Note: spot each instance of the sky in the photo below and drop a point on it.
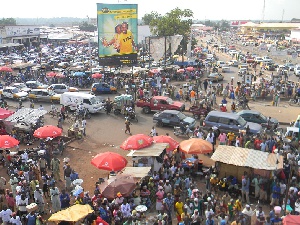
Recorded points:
(203, 9)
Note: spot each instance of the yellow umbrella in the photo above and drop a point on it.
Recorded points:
(72, 214)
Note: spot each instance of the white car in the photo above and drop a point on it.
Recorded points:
(267, 59)
(61, 88)
(225, 69)
(258, 59)
(22, 87)
(233, 63)
(297, 70)
(232, 52)
(14, 93)
(220, 64)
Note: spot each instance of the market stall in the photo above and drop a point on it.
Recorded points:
(235, 161)
(149, 156)
(137, 172)
(24, 120)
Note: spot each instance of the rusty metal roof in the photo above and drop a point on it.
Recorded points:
(247, 158)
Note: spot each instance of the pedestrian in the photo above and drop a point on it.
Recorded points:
(127, 126)
(64, 199)
(39, 199)
(153, 132)
(55, 163)
(55, 200)
(67, 176)
(83, 125)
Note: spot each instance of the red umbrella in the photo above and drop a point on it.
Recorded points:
(137, 141)
(180, 70)
(190, 68)
(60, 75)
(97, 75)
(51, 74)
(7, 141)
(155, 71)
(47, 131)
(166, 139)
(109, 161)
(5, 113)
(5, 69)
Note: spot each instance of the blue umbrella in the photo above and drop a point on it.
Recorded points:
(79, 74)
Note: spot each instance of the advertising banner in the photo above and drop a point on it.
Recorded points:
(117, 33)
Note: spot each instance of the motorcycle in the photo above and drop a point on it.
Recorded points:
(180, 131)
(132, 116)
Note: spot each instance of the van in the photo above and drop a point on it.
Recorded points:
(291, 132)
(229, 122)
(89, 101)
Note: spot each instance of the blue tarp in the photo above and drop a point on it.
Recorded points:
(79, 74)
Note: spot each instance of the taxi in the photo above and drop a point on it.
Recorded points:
(36, 85)
(14, 93)
(44, 95)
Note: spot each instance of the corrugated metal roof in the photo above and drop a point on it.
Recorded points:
(247, 158)
(154, 150)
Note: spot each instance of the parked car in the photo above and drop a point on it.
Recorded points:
(229, 122)
(14, 93)
(100, 88)
(215, 77)
(256, 117)
(173, 118)
(36, 85)
(44, 95)
(220, 64)
(159, 103)
(258, 59)
(290, 66)
(225, 69)
(61, 88)
(21, 86)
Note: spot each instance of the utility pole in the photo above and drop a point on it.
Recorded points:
(282, 16)
(263, 12)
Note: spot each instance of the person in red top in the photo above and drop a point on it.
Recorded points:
(257, 143)
(223, 108)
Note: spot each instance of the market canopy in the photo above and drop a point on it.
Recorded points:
(136, 172)
(72, 214)
(247, 158)
(26, 115)
(156, 149)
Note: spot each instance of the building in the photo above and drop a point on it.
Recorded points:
(19, 34)
(269, 29)
(295, 35)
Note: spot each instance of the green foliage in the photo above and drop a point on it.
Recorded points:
(175, 22)
(148, 17)
(85, 26)
(8, 21)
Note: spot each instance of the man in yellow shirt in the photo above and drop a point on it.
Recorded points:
(179, 209)
(126, 40)
(230, 137)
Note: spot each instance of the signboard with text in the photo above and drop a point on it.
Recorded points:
(117, 34)
(19, 31)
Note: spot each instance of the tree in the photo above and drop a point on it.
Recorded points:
(8, 21)
(85, 26)
(148, 17)
(175, 22)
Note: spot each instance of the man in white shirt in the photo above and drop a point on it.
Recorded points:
(5, 215)
(39, 199)
(22, 202)
(83, 125)
(15, 220)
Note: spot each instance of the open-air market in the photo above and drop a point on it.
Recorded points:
(159, 120)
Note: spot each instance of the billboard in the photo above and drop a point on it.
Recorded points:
(117, 34)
